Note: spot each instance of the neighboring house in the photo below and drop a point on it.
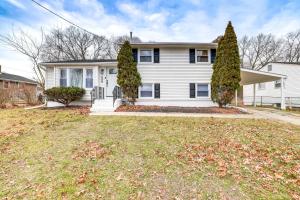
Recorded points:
(269, 93)
(17, 86)
(173, 74)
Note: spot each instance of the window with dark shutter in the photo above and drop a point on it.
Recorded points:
(156, 90)
(192, 90)
(192, 55)
(135, 54)
(156, 55)
(213, 53)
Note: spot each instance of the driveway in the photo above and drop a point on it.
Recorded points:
(274, 114)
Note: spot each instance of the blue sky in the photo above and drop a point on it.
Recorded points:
(159, 20)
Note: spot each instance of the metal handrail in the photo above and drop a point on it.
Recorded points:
(97, 93)
(117, 93)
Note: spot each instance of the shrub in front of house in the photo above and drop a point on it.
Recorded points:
(226, 69)
(64, 95)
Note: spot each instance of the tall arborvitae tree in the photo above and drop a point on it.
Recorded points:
(226, 69)
(129, 78)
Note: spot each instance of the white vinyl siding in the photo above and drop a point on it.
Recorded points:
(175, 73)
(50, 80)
(291, 84)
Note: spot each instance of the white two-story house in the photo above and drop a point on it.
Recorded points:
(173, 74)
(269, 93)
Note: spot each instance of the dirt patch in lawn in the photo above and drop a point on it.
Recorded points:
(176, 109)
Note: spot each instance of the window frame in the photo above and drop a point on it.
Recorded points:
(60, 69)
(276, 87)
(152, 89)
(152, 56)
(269, 68)
(68, 76)
(86, 78)
(208, 88)
(208, 56)
(8, 83)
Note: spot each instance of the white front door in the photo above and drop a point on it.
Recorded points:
(111, 80)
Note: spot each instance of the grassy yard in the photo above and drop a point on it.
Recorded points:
(51, 154)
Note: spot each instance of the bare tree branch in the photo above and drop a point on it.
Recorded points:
(27, 45)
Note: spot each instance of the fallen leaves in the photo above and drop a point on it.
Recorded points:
(141, 108)
(90, 150)
(253, 162)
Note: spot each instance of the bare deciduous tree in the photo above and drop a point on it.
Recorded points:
(27, 45)
(117, 41)
(260, 50)
(292, 47)
(74, 44)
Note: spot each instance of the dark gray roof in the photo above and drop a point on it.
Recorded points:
(16, 78)
(81, 61)
(174, 44)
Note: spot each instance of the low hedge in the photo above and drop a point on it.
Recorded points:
(64, 95)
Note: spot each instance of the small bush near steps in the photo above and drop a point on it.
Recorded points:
(64, 95)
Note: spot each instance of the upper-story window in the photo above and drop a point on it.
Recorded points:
(202, 56)
(145, 55)
(269, 68)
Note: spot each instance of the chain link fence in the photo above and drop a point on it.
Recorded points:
(272, 101)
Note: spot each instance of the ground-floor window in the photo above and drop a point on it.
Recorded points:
(89, 78)
(202, 90)
(63, 78)
(277, 84)
(76, 77)
(146, 90)
(5, 84)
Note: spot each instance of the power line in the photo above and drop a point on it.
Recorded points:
(61, 17)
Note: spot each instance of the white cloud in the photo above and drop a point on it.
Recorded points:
(17, 3)
(150, 22)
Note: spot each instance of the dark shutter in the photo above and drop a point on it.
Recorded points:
(135, 55)
(156, 90)
(192, 90)
(192, 56)
(213, 53)
(156, 55)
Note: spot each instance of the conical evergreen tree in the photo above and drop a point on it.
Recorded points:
(226, 69)
(128, 78)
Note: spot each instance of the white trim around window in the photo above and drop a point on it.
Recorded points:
(145, 94)
(201, 90)
(68, 76)
(202, 52)
(145, 50)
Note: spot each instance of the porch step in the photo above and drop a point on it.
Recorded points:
(103, 105)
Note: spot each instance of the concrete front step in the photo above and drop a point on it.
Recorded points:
(102, 109)
(103, 105)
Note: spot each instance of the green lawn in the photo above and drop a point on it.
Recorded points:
(51, 154)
